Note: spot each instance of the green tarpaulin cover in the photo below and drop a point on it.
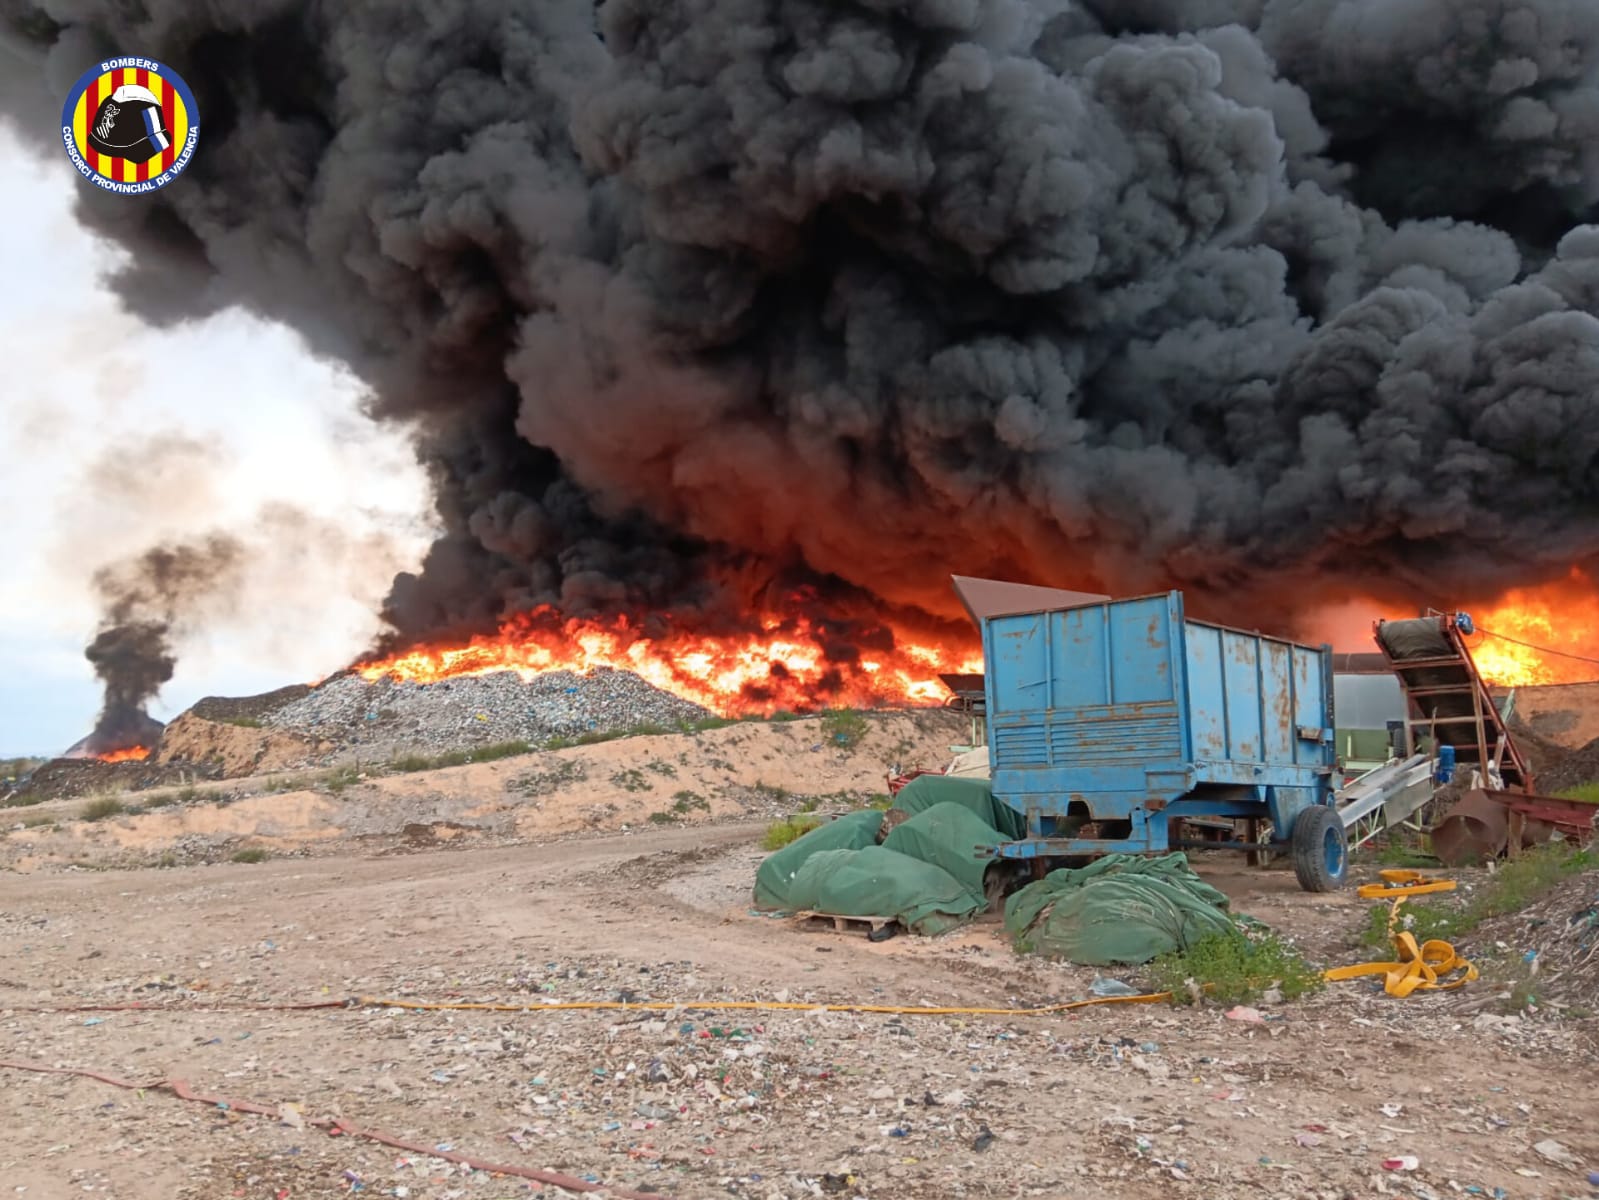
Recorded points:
(775, 876)
(947, 835)
(1121, 910)
(926, 875)
(878, 882)
(925, 791)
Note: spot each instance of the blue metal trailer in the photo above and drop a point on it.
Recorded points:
(1122, 726)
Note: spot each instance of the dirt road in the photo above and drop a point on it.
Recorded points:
(1127, 1101)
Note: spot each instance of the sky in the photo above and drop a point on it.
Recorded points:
(117, 436)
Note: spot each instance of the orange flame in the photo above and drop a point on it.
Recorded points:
(130, 754)
(785, 667)
(1562, 616)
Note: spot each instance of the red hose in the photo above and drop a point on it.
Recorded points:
(334, 1126)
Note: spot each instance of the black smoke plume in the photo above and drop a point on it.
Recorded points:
(692, 303)
(143, 598)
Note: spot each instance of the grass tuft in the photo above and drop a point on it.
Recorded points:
(596, 736)
(1588, 793)
(415, 762)
(339, 778)
(103, 808)
(781, 833)
(459, 758)
(843, 727)
(683, 803)
(253, 855)
(706, 724)
(1235, 968)
(184, 795)
(1516, 883)
(1398, 854)
(631, 780)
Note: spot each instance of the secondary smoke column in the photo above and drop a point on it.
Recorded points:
(133, 660)
(1262, 299)
(132, 653)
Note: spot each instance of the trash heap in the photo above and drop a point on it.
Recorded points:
(921, 865)
(388, 716)
(1557, 939)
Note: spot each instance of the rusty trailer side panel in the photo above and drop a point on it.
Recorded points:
(1114, 718)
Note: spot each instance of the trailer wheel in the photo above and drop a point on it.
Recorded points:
(1321, 853)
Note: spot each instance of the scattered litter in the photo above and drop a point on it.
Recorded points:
(1105, 988)
(983, 1140)
(1404, 1162)
(1552, 1151)
(1250, 1016)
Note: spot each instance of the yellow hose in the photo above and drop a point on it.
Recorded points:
(756, 1006)
(1432, 966)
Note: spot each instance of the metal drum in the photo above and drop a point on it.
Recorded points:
(1473, 831)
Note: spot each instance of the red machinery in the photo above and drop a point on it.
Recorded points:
(1452, 705)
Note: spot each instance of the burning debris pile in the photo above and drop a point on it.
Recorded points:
(794, 663)
(132, 654)
(132, 659)
(711, 305)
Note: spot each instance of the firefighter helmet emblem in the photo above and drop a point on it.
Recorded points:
(130, 125)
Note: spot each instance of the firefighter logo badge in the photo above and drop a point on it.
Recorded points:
(130, 125)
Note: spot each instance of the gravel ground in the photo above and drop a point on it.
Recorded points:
(390, 717)
(1136, 1102)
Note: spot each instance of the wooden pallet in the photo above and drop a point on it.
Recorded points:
(839, 924)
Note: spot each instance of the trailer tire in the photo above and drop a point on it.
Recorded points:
(1321, 851)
